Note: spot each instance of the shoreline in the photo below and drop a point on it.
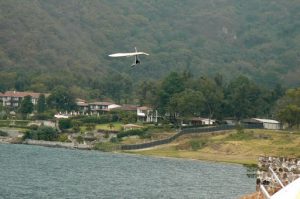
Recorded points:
(52, 144)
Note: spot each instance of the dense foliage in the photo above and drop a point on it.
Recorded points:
(66, 42)
(26, 105)
(209, 97)
(288, 110)
(42, 133)
(138, 132)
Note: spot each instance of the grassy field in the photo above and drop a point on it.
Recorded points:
(116, 126)
(243, 147)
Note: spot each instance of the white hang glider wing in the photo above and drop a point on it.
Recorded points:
(135, 54)
(291, 191)
(127, 54)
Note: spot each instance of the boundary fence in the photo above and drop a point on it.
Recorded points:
(189, 131)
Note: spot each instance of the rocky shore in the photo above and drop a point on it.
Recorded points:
(287, 170)
(69, 145)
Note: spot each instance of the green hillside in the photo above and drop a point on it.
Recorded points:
(47, 43)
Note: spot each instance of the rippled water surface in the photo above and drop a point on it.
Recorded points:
(39, 172)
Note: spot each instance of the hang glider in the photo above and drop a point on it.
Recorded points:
(135, 54)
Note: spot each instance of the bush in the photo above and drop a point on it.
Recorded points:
(79, 139)
(42, 133)
(139, 132)
(90, 127)
(97, 119)
(239, 128)
(3, 134)
(33, 127)
(63, 138)
(197, 144)
(106, 135)
(64, 124)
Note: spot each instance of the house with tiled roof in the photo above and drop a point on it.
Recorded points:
(14, 98)
(97, 107)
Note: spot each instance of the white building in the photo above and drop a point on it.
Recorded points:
(269, 124)
(146, 114)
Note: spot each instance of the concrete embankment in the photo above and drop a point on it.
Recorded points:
(57, 144)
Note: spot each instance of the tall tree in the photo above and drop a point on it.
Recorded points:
(147, 93)
(243, 98)
(289, 108)
(61, 100)
(41, 104)
(213, 96)
(186, 103)
(171, 85)
(26, 105)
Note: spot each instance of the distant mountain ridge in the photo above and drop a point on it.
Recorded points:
(66, 42)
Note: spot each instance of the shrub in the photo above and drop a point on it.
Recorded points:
(79, 139)
(33, 127)
(97, 119)
(76, 129)
(64, 124)
(63, 138)
(90, 127)
(197, 144)
(106, 135)
(239, 128)
(42, 133)
(139, 132)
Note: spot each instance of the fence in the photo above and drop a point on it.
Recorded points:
(188, 131)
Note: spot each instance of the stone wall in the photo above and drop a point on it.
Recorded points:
(287, 169)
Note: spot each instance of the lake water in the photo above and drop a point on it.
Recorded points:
(39, 172)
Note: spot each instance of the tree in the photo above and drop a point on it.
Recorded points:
(147, 93)
(42, 133)
(171, 85)
(212, 94)
(117, 86)
(243, 98)
(41, 104)
(61, 100)
(289, 108)
(26, 105)
(186, 103)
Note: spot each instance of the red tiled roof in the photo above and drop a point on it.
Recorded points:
(20, 94)
(101, 103)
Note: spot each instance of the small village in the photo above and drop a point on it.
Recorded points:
(141, 116)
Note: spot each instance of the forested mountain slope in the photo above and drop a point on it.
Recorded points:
(47, 43)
